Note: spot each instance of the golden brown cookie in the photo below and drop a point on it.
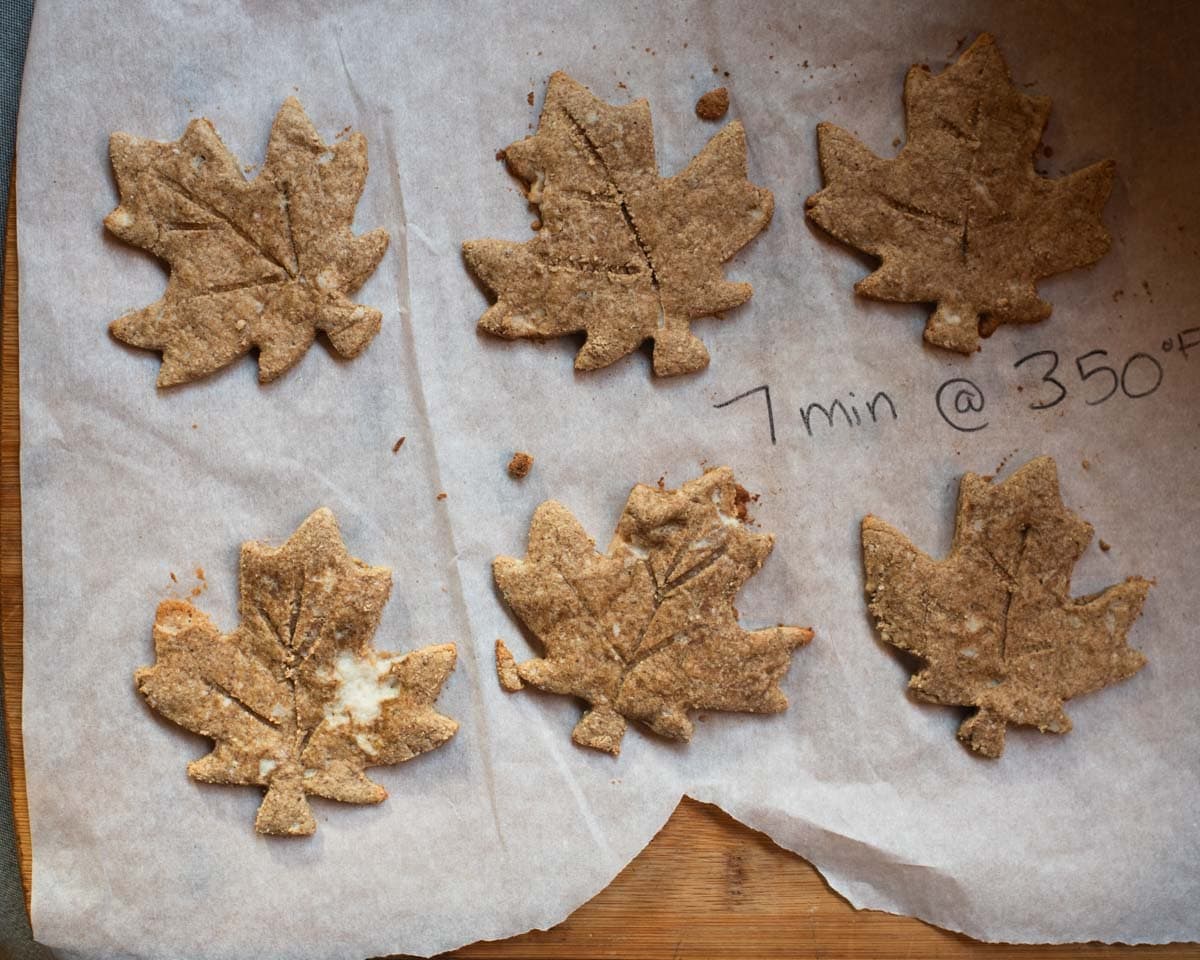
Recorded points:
(297, 699)
(648, 630)
(620, 253)
(960, 217)
(263, 264)
(995, 621)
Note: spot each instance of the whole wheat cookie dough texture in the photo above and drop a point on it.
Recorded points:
(960, 217)
(297, 699)
(620, 254)
(262, 263)
(995, 622)
(647, 630)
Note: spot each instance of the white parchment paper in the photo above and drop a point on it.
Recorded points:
(1088, 836)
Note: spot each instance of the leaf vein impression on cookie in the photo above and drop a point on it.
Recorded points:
(960, 217)
(647, 630)
(995, 622)
(296, 698)
(260, 263)
(620, 253)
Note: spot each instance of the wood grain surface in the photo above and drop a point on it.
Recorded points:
(706, 886)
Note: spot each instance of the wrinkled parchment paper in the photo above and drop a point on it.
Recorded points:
(508, 827)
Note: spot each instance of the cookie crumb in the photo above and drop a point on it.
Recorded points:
(501, 156)
(713, 105)
(1086, 464)
(174, 579)
(895, 142)
(442, 495)
(741, 497)
(398, 444)
(529, 98)
(520, 465)
(1105, 546)
(506, 669)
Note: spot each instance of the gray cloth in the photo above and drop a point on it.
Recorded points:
(16, 941)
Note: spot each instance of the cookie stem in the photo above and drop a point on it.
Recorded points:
(285, 811)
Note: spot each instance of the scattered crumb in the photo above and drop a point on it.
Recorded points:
(195, 426)
(662, 482)
(501, 156)
(529, 99)
(895, 142)
(398, 444)
(174, 579)
(442, 495)
(1087, 464)
(520, 465)
(713, 105)
(1105, 546)
(742, 496)
(199, 573)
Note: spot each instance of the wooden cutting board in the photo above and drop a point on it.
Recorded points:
(706, 886)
